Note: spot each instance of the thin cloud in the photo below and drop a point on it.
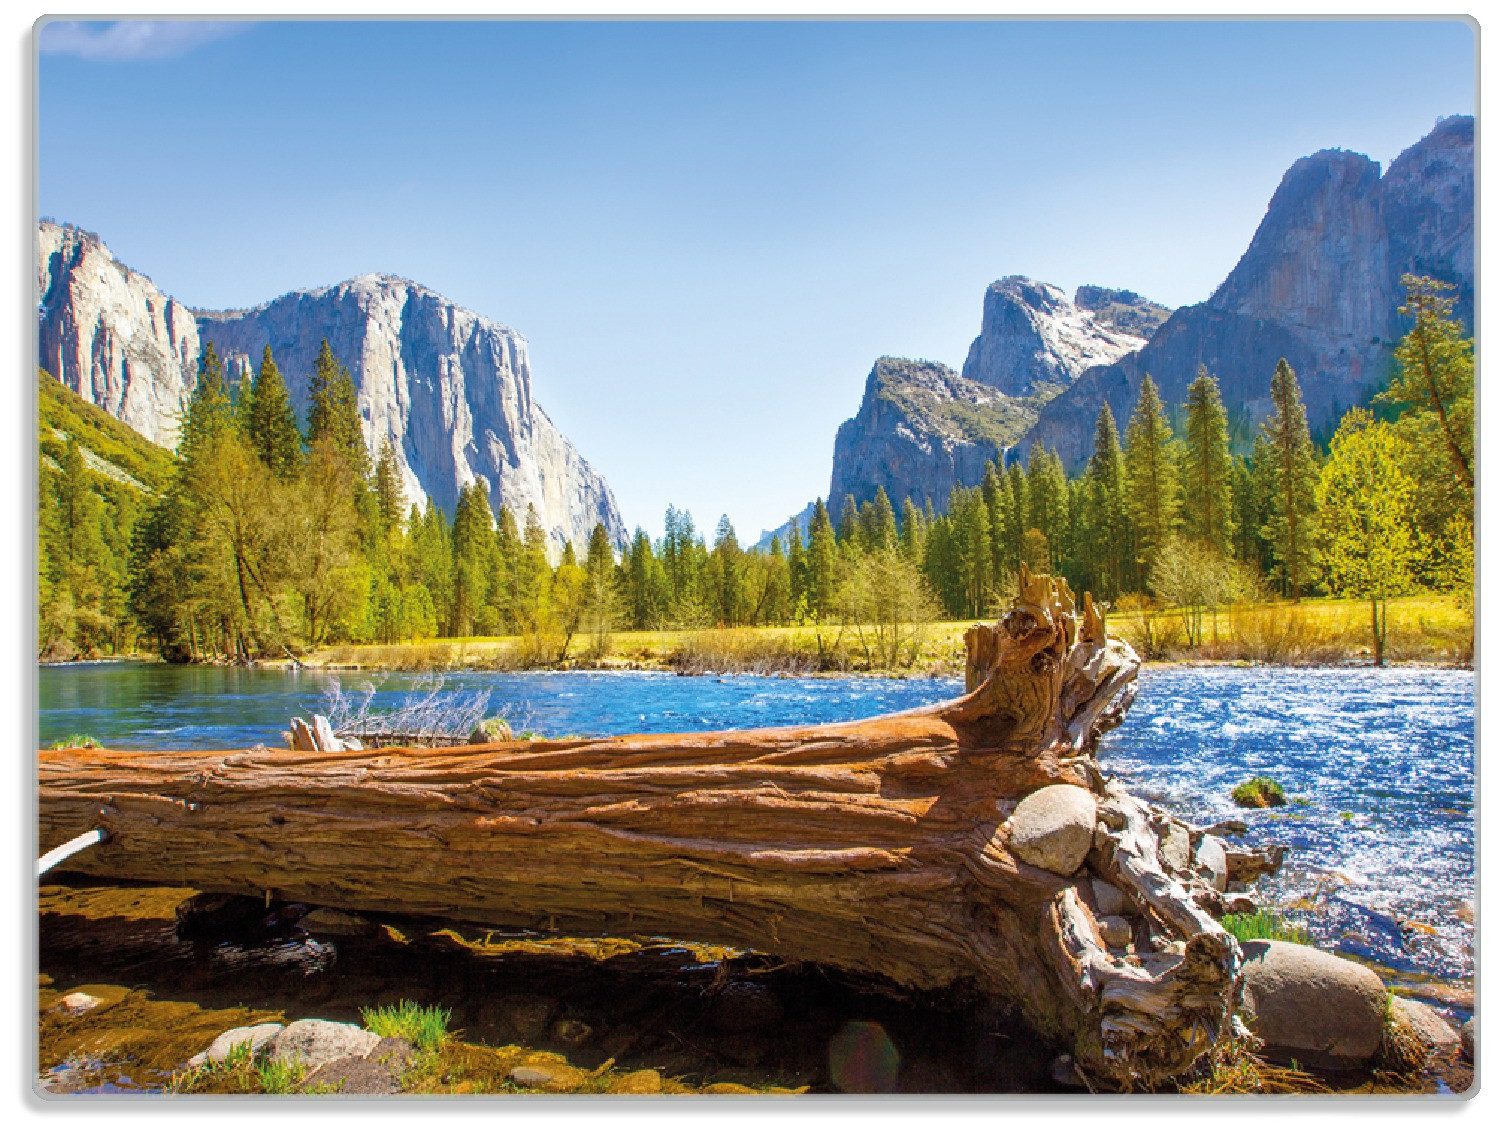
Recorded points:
(128, 40)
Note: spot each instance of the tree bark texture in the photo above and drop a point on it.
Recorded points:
(878, 845)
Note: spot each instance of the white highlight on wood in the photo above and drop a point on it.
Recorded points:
(59, 854)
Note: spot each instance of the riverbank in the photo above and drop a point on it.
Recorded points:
(525, 1012)
(1429, 630)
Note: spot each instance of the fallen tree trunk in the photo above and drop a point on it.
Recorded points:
(887, 845)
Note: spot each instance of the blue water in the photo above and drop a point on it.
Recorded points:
(1379, 764)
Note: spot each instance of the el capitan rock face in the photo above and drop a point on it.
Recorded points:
(449, 388)
(1320, 285)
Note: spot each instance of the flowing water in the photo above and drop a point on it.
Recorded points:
(1379, 765)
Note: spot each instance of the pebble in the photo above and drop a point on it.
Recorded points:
(77, 1003)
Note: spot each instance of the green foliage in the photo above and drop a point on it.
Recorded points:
(279, 1077)
(1208, 468)
(1153, 488)
(426, 1027)
(270, 422)
(1263, 925)
(1291, 474)
(76, 741)
(1367, 545)
(1259, 791)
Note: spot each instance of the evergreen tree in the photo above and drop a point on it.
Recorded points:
(390, 492)
(1106, 515)
(1435, 373)
(271, 422)
(1293, 480)
(1152, 485)
(334, 413)
(822, 562)
(848, 528)
(1208, 469)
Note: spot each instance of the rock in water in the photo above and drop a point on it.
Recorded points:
(1211, 862)
(1053, 828)
(1430, 1027)
(77, 1003)
(1312, 1006)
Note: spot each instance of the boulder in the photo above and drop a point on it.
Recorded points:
(1210, 860)
(1466, 1040)
(352, 1076)
(258, 1037)
(1053, 828)
(1311, 1006)
(313, 1042)
(1427, 1025)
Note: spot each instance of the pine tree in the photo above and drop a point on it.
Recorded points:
(390, 492)
(1208, 468)
(1294, 473)
(1152, 484)
(271, 422)
(880, 526)
(334, 413)
(822, 562)
(1106, 516)
(1435, 372)
(848, 528)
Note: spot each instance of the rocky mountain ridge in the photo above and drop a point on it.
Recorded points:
(449, 388)
(1319, 284)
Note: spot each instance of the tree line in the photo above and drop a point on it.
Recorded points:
(271, 538)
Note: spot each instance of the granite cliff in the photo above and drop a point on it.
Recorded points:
(449, 388)
(1319, 285)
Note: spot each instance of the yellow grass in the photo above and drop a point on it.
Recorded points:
(1428, 628)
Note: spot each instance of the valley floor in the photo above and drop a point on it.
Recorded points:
(1425, 629)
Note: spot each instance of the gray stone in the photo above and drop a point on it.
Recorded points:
(1053, 828)
(1311, 1006)
(1466, 1039)
(1116, 931)
(396, 1053)
(258, 1037)
(313, 1042)
(1210, 861)
(536, 1074)
(1430, 1027)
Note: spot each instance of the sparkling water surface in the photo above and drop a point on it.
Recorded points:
(1379, 765)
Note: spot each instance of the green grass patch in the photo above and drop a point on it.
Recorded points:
(426, 1027)
(279, 1078)
(1264, 925)
(76, 741)
(1259, 791)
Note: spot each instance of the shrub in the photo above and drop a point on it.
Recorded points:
(76, 741)
(1259, 791)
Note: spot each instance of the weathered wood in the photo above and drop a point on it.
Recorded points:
(877, 845)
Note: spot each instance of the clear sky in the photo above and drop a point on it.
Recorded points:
(709, 231)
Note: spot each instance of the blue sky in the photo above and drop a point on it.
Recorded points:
(709, 231)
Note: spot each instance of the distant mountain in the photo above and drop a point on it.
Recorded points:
(1319, 285)
(448, 387)
(923, 427)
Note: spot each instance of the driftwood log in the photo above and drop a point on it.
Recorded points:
(881, 845)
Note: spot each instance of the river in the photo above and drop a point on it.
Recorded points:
(1379, 765)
